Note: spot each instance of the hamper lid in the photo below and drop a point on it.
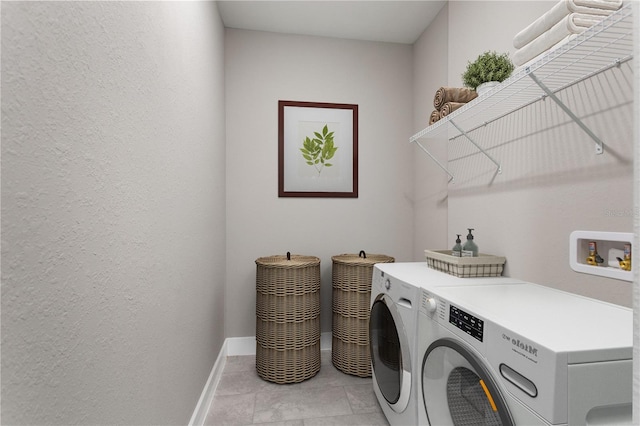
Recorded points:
(362, 258)
(288, 261)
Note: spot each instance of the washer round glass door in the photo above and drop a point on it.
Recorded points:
(390, 359)
(458, 390)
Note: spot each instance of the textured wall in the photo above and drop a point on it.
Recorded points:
(636, 219)
(113, 193)
(430, 53)
(263, 68)
(552, 182)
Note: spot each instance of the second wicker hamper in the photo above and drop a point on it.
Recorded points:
(351, 276)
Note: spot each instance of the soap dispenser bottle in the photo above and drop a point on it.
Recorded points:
(457, 248)
(469, 249)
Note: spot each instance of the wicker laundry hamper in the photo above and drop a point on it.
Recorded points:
(287, 318)
(351, 274)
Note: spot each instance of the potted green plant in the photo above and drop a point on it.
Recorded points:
(488, 70)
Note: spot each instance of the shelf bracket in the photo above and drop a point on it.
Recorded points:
(436, 160)
(599, 144)
(466, 135)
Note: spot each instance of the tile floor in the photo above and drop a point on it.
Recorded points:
(329, 398)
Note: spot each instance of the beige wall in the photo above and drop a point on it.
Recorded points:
(508, 215)
(552, 182)
(113, 217)
(262, 68)
(430, 66)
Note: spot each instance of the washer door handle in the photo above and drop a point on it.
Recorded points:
(517, 379)
(405, 303)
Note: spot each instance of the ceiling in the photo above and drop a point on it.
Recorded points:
(394, 21)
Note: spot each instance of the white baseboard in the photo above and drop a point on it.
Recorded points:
(233, 346)
(240, 346)
(206, 397)
(326, 341)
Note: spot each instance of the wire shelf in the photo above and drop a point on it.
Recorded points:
(603, 46)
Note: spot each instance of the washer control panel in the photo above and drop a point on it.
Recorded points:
(466, 322)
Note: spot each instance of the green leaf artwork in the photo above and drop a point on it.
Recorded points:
(317, 151)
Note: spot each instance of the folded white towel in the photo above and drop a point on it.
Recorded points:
(535, 58)
(574, 23)
(559, 11)
(575, 5)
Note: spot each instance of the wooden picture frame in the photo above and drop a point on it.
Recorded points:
(317, 149)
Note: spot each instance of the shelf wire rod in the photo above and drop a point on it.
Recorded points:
(615, 64)
(599, 144)
(436, 161)
(466, 135)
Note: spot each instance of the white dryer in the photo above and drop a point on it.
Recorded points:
(522, 354)
(395, 298)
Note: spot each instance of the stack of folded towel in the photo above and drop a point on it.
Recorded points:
(449, 99)
(560, 24)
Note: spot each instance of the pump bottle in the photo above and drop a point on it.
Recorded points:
(469, 249)
(457, 248)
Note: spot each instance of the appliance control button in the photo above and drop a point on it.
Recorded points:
(431, 305)
(387, 284)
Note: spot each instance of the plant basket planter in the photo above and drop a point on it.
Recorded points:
(486, 87)
(351, 276)
(287, 318)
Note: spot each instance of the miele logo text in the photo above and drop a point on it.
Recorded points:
(522, 345)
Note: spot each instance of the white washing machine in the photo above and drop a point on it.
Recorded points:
(395, 298)
(392, 329)
(522, 354)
